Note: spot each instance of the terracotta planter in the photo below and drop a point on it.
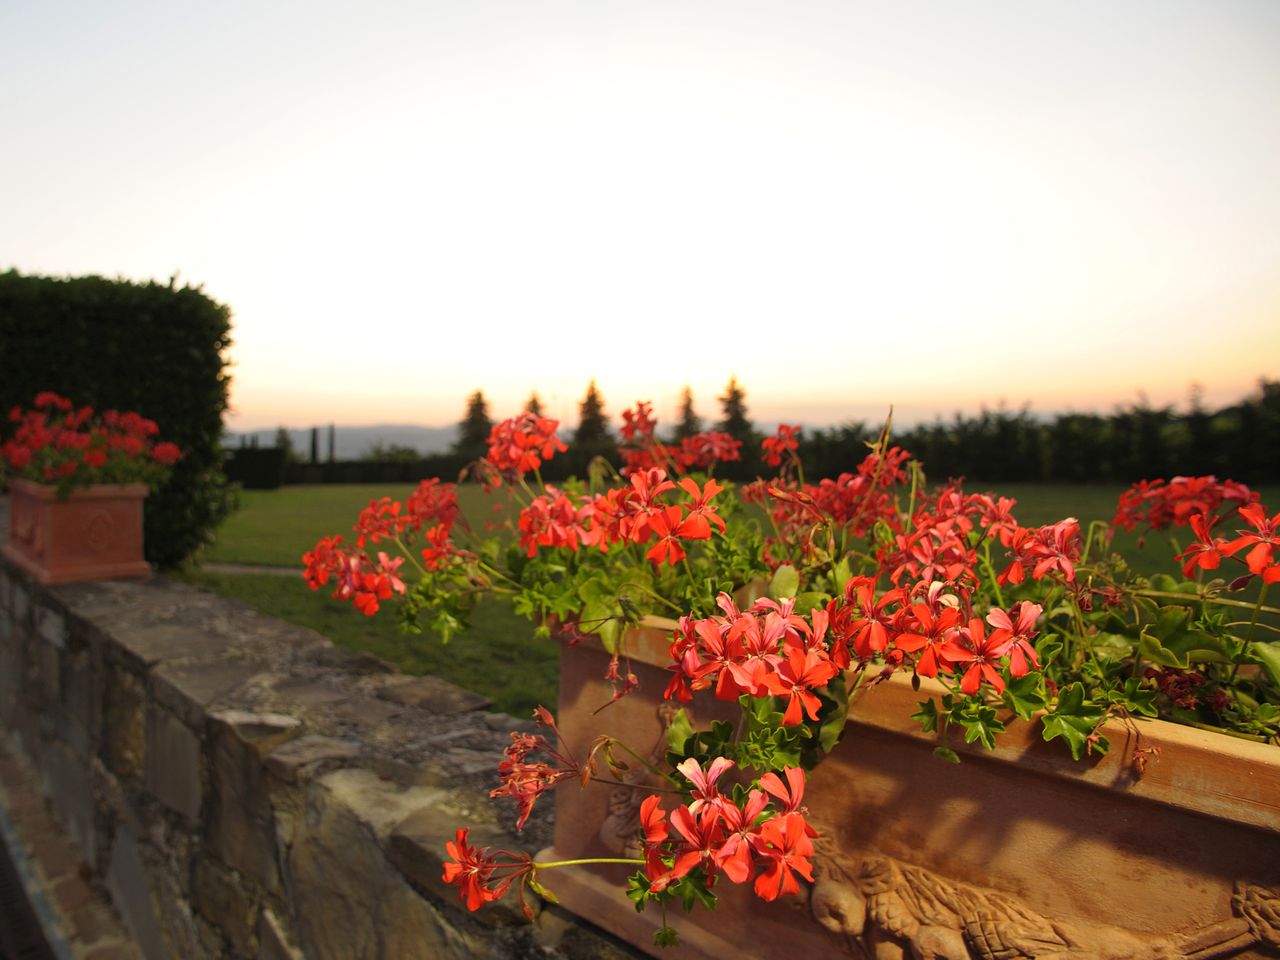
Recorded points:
(1023, 853)
(93, 534)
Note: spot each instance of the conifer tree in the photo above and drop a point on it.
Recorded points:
(534, 404)
(734, 407)
(593, 429)
(689, 423)
(473, 431)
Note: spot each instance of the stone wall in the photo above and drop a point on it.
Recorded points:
(245, 789)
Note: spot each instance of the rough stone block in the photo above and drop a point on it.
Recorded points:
(68, 783)
(51, 625)
(223, 900)
(432, 694)
(240, 826)
(124, 723)
(127, 881)
(149, 645)
(348, 900)
(77, 723)
(310, 755)
(174, 763)
(19, 601)
(417, 848)
(47, 661)
(189, 688)
(273, 943)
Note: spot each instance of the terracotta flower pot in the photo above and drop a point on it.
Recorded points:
(1020, 853)
(93, 534)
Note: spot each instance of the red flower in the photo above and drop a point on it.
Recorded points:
(1205, 552)
(784, 442)
(796, 678)
(1021, 631)
(785, 842)
(472, 871)
(522, 443)
(702, 515)
(1265, 542)
(704, 782)
(666, 523)
(166, 453)
(656, 832)
(703, 837)
(982, 656)
(935, 635)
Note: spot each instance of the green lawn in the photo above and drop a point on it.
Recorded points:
(499, 656)
(275, 527)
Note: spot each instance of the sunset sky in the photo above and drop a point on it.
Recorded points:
(847, 205)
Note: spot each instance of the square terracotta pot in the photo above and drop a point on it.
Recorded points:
(93, 534)
(1020, 853)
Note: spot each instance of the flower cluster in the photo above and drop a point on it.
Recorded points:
(850, 505)
(424, 521)
(641, 450)
(58, 443)
(519, 446)
(1161, 505)
(770, 651)
(762, 835)
(635, 513)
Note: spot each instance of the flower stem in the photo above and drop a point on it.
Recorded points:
(648, 764)
(549, 864)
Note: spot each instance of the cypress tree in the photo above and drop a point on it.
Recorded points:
(734, 407)
(593, 430)
(689, 423)
(473, 431)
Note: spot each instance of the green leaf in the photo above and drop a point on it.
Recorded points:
(610, 633)
(1155, 651)
(840, 575)
(1267, 655)
(665, 937)
(979, 722)
(927, 715)
(1074, 720)
(809, 601)
(1136, 698)
(679, 732)
(785, 582)
(947, 754)
(1111, 646)
(1025, 695)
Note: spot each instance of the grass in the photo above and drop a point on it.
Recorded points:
(275, 527)
(499, 657)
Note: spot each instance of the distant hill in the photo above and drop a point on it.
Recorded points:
(352, 443)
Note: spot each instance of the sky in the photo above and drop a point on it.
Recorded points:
(847, 206)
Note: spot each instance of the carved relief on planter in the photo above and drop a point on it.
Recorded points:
(888, 910)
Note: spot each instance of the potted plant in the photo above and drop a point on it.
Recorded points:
(76, 483)
(765, 746)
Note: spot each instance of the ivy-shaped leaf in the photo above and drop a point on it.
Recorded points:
(785, 582)
(978, 720)
(1026, 694)
(1074, 720)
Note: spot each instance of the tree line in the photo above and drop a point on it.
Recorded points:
(1240, 441)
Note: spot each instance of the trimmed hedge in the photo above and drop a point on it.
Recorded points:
(154, 348)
